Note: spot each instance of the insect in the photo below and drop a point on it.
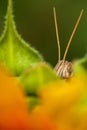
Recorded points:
(64, 68)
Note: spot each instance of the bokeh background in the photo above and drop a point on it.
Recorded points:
(35, 23)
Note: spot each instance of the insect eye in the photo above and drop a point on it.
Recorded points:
(69, 68)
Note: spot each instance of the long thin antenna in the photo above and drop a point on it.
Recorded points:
(57, 35)
(73, 32)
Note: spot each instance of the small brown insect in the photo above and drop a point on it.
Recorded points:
(64, 68)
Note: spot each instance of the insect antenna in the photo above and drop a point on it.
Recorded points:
(73, 32)
(57, 34)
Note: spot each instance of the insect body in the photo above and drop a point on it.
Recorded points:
(64, 68)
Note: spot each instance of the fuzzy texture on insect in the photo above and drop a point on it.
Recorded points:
(63, 68)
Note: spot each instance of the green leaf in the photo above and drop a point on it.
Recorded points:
(15, 53)
(80, 66)
(34, 79)
(33, 102)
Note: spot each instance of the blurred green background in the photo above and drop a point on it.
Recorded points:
(35, 23)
